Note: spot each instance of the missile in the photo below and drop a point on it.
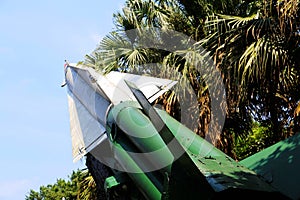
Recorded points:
(111, 117)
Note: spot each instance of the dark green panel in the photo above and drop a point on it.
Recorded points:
(279, 165)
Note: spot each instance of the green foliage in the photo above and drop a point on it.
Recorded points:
(80, 185)
(259, 138)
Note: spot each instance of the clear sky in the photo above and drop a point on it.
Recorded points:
(35, 39)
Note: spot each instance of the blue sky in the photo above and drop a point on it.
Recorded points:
(35, 39)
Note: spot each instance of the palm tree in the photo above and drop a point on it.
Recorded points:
(257, 53)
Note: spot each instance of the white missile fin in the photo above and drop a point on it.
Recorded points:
(115, 88)
(86, 131)
(151, 87)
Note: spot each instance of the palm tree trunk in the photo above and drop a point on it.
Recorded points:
(99, 172)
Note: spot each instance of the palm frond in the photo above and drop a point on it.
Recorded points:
(236, 21)
(87, 187)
